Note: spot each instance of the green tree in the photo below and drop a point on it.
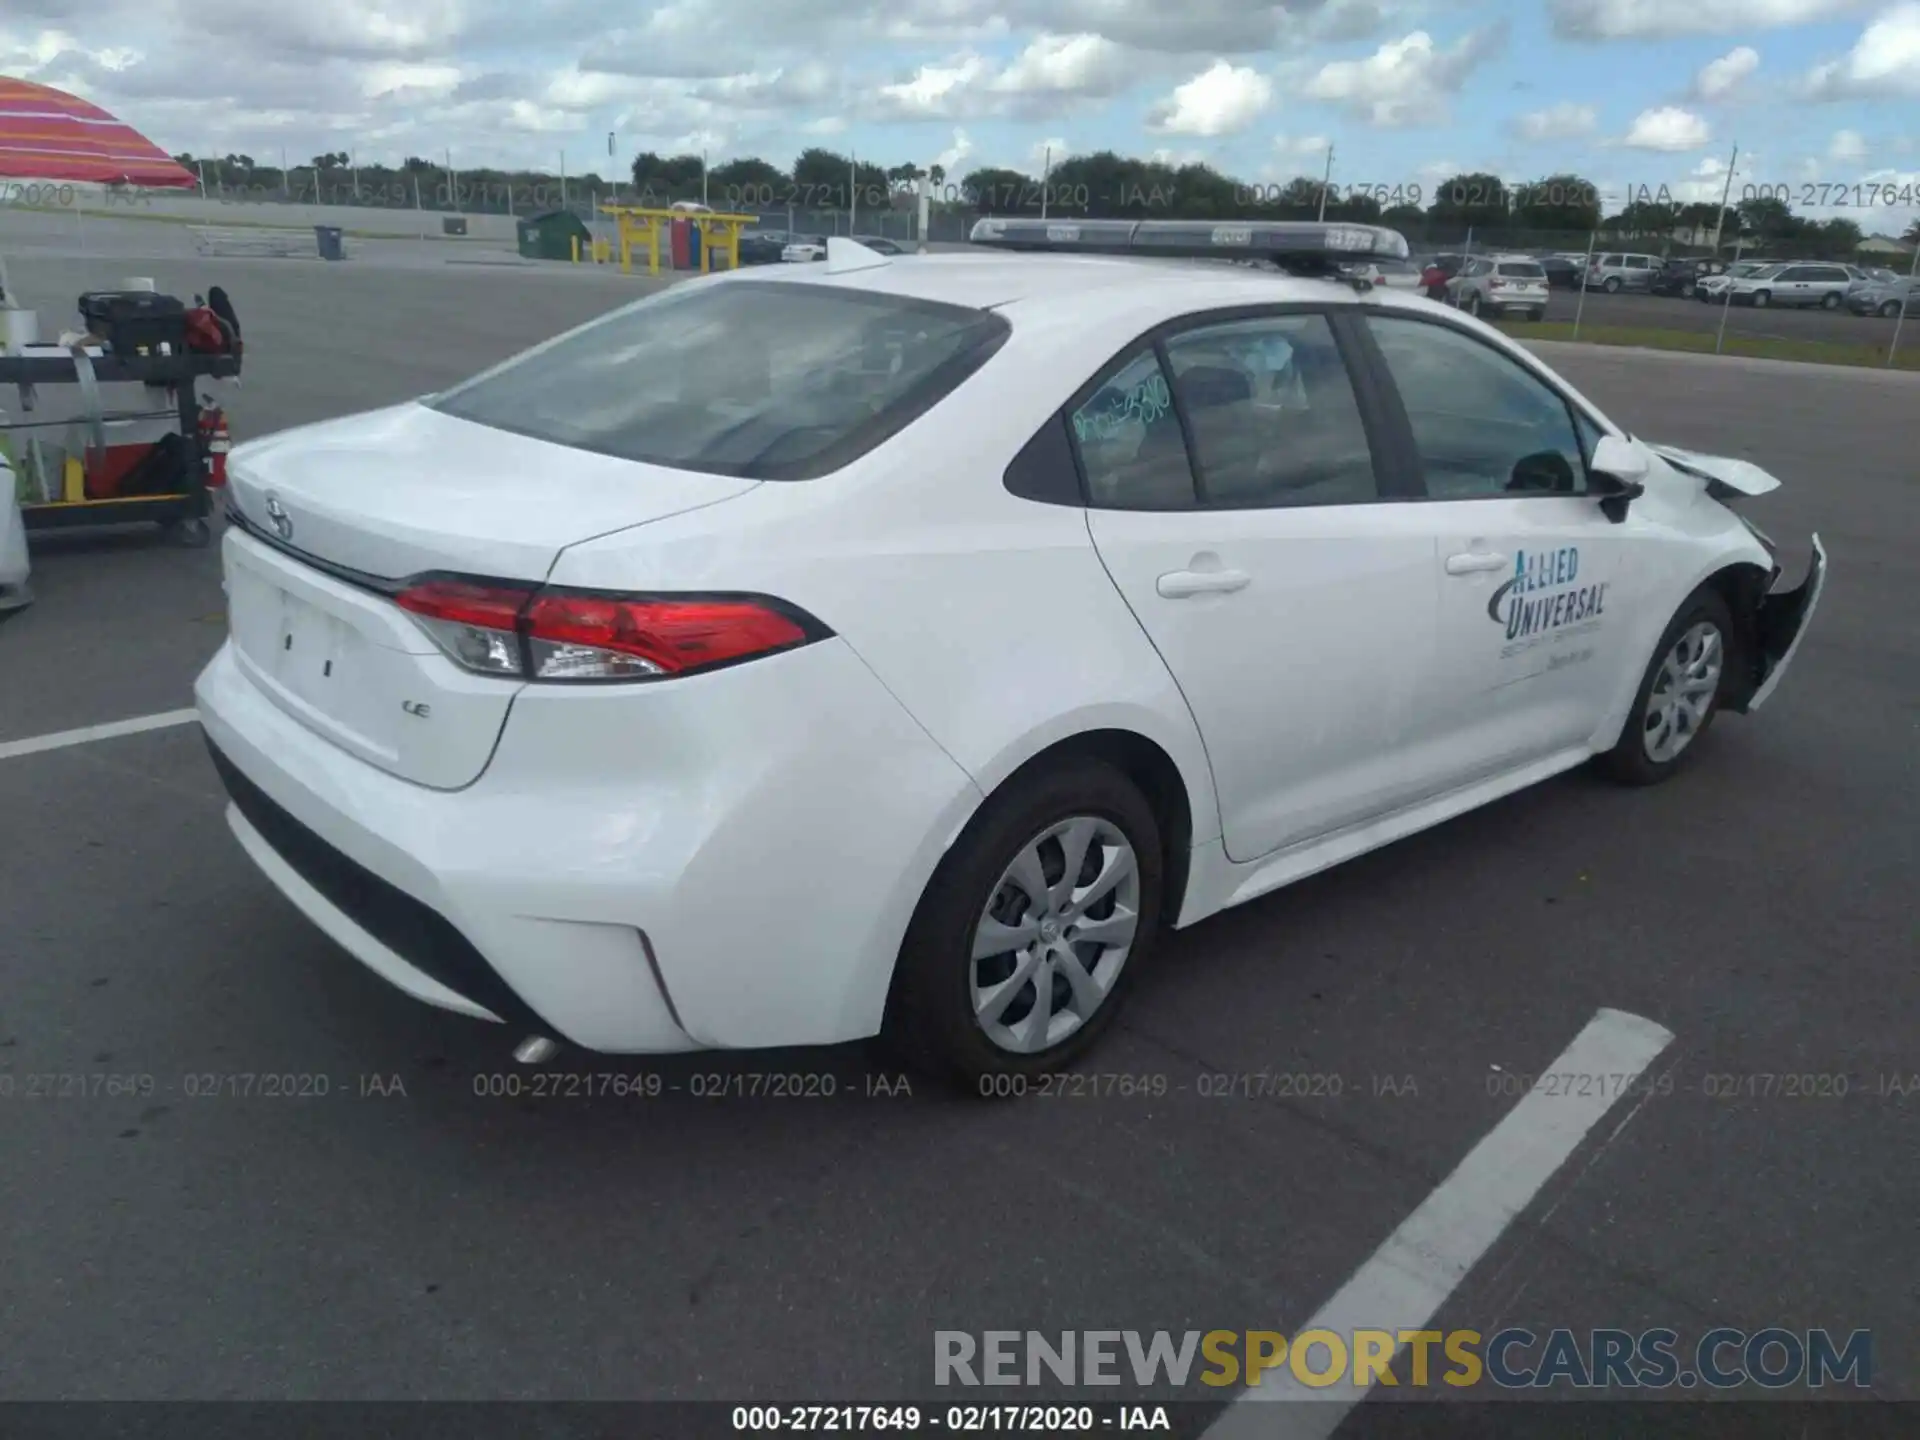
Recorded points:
(994, 190)
(1840, 236)
(1765, 217)
(820, 179)
(1474, 200)
(747, 182)
(1566, 203)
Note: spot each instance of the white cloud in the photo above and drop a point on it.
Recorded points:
(1848, 147)
(1565, 121)
(1640, 19)
(937, 90)
(1178, 158)
(1067, 65)
(1301, 144)
(1050, 151)
(1222, 100)
(955, 155)
(1720, 78)
(1405, 81)
(1668, 128)
(1883, 64)
(826, 125)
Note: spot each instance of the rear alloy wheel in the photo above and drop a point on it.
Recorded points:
(1536, 315)
(1890, 309)
(1679, 696)
(1612, 287)
(1031, 932)
(1831, 301)
(1762, 299)
(1686, 290)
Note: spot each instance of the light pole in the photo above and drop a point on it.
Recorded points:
(1325, 180)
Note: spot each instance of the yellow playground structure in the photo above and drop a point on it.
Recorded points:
(641, 226)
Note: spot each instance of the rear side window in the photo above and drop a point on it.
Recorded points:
(763, 380)
(1131, 448)
(1522, 271)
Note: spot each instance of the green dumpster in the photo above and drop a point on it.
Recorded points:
(551, 236)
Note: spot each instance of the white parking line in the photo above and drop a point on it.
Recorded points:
(1409, 1278)
(60, 740)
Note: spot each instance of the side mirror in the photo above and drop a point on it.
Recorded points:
(1617, 473)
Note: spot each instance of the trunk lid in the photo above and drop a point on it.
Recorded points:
(404, 490)
(378, 498)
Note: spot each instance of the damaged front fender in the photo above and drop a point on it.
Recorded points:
(1778, 624)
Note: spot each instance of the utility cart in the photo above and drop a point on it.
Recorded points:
(155, 463)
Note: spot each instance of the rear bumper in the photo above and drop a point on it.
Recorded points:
(621, 896)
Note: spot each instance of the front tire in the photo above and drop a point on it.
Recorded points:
(1890, 309)
(1762, 299)
(1679, 696)
(1032, 931)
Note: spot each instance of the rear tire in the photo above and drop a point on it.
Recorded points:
(1679, 695)
(1831, 301)
(1536, 315)
(1612, 285)
(941, 1016)
(1890, 309)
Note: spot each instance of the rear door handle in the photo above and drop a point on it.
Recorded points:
(1179, 584)
(1472, 562)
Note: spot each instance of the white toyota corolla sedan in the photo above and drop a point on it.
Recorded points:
(896, 646)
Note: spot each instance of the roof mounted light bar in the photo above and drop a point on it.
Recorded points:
(1305, 247)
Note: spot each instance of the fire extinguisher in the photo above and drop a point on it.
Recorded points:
(215, 441)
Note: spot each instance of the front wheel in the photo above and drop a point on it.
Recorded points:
(1762, 299)
(1536, 315)
(1473, 303)
(1890, 309)
(1678, 696)
(1032, 931)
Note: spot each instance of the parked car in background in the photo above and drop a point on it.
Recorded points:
(1435, 274)
(1886, 298)
(1802, 286)
(1614, 272)
(1388, 274)
(763, 247)
(1713, 287)
(1682, 277)
(880, 245)
(1564, 272)
(1501, 285)
(802, 249)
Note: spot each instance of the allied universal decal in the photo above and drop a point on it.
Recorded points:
(1545, 599)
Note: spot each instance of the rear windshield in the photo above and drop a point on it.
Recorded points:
(1521, 270)
(765, 380)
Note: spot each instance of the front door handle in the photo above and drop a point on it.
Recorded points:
(1181, 583)
(1474, 561)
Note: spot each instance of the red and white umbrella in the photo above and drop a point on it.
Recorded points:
(47, 134)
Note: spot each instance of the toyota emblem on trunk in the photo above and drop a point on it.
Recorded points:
(277, 513)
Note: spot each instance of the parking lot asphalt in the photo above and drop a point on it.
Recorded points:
(406, 1236)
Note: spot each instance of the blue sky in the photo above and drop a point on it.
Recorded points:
(1822, 96)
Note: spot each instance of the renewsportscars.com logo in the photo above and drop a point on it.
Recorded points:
(1510, 1359)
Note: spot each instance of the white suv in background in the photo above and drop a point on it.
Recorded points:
(1501, 285)
(1714, 287)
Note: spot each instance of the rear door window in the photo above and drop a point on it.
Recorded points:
(1521, 270)
(760, 379)
(1274, 416)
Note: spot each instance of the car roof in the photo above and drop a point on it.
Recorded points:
(1045, 284)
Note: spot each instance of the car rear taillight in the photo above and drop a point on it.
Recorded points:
(583, 635)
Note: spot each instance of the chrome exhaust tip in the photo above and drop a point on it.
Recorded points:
(535, 1050)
